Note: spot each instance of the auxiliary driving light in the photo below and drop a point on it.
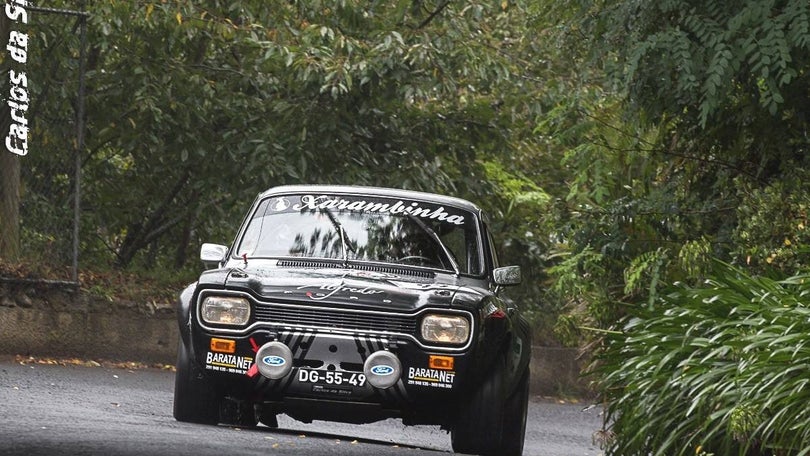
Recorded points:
(382, 369)
(274, 360)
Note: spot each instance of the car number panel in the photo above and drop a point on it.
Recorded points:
(331, 378)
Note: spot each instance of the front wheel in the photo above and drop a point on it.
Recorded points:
(514, 425)
(238, 413)
(195, 398)
(479, 426)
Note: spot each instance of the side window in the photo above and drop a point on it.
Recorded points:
(464, 246)
(492, 251)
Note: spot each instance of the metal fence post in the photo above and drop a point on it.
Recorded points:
(80, 124)
(79, 148)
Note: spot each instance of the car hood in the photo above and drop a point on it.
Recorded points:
(345, 287)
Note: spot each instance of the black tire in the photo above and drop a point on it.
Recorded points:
(268, 419)
(479, 425)
(514, 425)
(238, 413)
(195, 399)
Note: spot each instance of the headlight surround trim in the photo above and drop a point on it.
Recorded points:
(445, 329)
(225, 310)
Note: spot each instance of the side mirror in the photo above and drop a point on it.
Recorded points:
(507, 275)
(212, 254)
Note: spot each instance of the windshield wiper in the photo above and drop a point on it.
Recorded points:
(438, 240)
(344, 243)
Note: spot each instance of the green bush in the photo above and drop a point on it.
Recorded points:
(718, 369)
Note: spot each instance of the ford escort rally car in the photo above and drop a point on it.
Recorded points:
(357, 304)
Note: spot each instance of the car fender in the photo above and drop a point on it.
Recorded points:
(183, 312)
(517, 351)
(510, 334)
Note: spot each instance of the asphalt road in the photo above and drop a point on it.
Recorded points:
(77, 410)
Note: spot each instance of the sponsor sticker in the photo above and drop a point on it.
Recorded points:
(321, 389)
(327, 290)
(409, 208)
(280, 204)
(224, 362)
(434, 378)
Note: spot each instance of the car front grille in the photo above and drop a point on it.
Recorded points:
(347, 320)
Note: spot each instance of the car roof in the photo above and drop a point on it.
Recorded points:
(373, 191)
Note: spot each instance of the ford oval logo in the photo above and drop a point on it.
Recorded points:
(382, 369)
(274, 360)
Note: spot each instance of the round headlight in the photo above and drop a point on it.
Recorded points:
(445, 329)
(225, 310)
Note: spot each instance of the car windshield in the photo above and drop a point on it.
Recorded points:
(359, 228)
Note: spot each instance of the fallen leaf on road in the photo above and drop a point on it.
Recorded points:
(130, 366)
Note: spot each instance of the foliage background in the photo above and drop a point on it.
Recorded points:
(195, 107)
(719, 369)
(617, 145)
(620, 147)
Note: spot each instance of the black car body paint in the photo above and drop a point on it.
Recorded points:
(336, 276)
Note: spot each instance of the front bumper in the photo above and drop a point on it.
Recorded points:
(330, 367)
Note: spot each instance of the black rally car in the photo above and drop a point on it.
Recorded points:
(357, 304)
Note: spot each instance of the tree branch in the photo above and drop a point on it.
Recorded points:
(432, 15)
(137, 234)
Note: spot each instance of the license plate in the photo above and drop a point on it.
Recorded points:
(335, 378)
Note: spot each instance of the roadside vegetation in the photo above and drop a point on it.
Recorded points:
(717, 369)
(646, 163)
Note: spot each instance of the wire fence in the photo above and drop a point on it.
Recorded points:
(41, 185)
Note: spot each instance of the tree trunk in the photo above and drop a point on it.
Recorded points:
(9, 164)
(140, 234)
(9, 205)
(181, 252)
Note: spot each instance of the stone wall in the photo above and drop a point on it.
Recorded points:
(57, 319)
